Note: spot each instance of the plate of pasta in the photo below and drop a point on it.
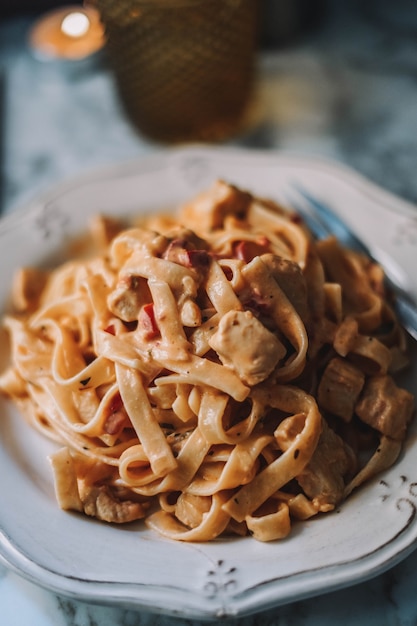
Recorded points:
(205, 412)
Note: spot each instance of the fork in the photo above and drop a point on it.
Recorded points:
(323, 222)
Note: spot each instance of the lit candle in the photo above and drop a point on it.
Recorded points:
(71, 33)
(75, 24)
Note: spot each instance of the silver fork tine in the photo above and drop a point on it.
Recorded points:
(313, 223)
(333, 223)
(322, 222)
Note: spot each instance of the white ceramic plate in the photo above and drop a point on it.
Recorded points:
(80, 557)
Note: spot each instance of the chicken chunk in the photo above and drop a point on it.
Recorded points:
(339, 388)
(101, 503)
(385, 406)
(246, 346)
(127, 299)
(209, 210)
(98, 501)
(324, 478)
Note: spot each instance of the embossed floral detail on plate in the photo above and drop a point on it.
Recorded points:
(403, 492)
(221, 580)
(50, 220)
(194, 171)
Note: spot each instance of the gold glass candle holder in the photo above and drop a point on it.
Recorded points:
(184, 68)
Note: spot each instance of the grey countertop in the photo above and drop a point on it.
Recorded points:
(347, 91)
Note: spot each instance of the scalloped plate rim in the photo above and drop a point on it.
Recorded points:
(253, 595)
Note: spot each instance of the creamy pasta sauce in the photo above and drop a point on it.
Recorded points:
(213, 372)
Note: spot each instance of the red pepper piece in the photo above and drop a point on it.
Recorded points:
(148, 322)
(116, 416)
(247, 250)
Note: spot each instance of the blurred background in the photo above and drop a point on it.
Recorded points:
(332, 78)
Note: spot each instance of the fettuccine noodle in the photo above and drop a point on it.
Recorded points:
(216, 371)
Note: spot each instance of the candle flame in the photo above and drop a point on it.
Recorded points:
(75, 24)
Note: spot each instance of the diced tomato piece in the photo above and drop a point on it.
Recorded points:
(247, 250)
(198, 258)
(116, 403)
(147, 321)
(177, 252)
(257, 305)
(227, 271)
(114, 422)
(116, 416)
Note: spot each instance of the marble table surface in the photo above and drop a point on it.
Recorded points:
(347, 91)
